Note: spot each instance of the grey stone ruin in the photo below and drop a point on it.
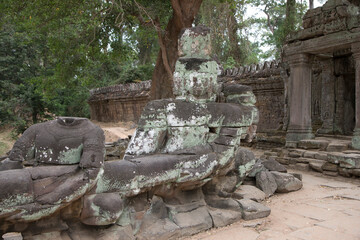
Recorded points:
(181, 174)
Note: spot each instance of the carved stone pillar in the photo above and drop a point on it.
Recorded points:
(327, 96)
(355, 48)
(299, 99)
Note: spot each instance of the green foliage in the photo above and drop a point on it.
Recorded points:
(230, 40)
(53, 52)
(277, 24)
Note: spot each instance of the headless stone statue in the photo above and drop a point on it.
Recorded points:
(67, 155)
(184, 156)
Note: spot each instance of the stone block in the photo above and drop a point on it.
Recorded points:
(266, 182)
(309, 154)
(249, 192)
(192, 222)
(337, 147)
(296, 153)
(297, 175)
(181, 113)
(185, 137)
(223, 217)
(355, 172)
(257, 168)
(160, 229)
(303, 160)
(227, 140)
(253, 210)
(222, 203)
(16, 188)
(286, 182)
(101, 209)
(316, 164)
(351, 160)
(195, 43)
(301, 166)
(345, 172)
(273, 165)
(313, 144)
(231, 131)
(321, 156)
(283, 160)
(231, 115)
(12, 236)
(330, 167)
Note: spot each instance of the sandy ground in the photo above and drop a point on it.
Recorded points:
(324, 209)
(114, 131)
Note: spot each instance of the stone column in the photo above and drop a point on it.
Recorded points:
(327, 96)
(299, 99)
(355, 48)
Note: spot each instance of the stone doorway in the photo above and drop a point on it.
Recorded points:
(344, 121)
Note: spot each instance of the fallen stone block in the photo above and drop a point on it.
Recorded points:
(286, 182)
(266, 182)
(249, 192)
(297, 175)
(273, 165)
(253, 210)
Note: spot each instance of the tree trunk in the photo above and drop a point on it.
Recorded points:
(235, 50)
(311, 4)
(184, 12)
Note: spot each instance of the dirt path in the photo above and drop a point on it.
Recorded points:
(325, 209)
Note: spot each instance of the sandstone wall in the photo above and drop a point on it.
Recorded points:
(123, 102)
(267, 82)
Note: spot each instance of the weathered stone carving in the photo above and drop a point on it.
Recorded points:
(183, 164)
(67, 155)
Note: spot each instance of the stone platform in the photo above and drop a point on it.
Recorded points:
(331, 156)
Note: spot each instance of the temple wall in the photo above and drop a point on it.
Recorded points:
(267, 82)
(119, 103)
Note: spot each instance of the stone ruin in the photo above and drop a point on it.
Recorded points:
(267, 82)
(182, 172)
(315, 93)
(119, 103)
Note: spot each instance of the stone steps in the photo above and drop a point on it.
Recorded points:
(329, 156)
